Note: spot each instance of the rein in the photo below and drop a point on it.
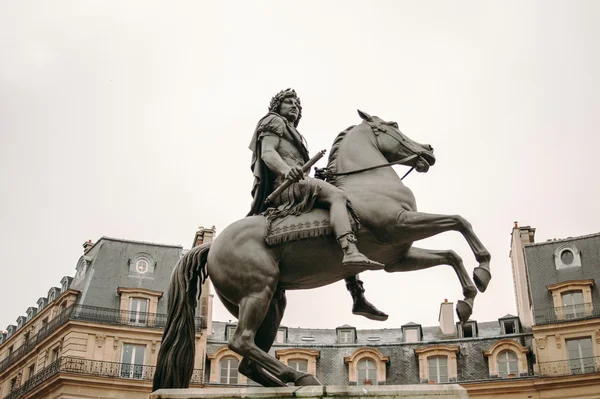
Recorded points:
(328, 174)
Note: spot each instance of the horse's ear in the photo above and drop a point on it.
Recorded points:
(364, 115)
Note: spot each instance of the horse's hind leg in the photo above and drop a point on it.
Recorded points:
(418, 259)
(265, 336)
(418, 225)
(253, 309)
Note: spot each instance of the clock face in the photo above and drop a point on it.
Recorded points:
(141, 266)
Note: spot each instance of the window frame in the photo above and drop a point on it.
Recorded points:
(133, 369)
(366, 352)
(438, 376)
(508, 363)
(375, 380)
(507, 344)
(229, 369)
(449, 351)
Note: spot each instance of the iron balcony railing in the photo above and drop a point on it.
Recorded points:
(92, 314)
(566, 313)
(584, 365)
(92, 367)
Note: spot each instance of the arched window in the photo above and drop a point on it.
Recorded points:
(298, 364)
(228, 370)
(367, 372)
(508, 365)
(438, 368)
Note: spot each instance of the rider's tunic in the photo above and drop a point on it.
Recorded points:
(300, 197)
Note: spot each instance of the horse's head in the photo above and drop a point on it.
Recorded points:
(395, 146)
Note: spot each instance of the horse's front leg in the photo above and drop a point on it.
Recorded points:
(414, 226)
(419, 259)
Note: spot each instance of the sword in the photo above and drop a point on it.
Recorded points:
(288, 182)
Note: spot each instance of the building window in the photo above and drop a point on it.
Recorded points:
(411, 335)
(507, 364)
(438, 368)
(509, 327)
(367, 372)
(507, 358)
(225, 358)
(30, 371)
(567, 257)
(345, 337)
(229, 332)
(10, 350)
(133, 361)
(367, 366)
(139, 310)
(55, 354)
(280, 338)
(298, 364)
(573, 304)
(141, 266)
(581, 356)
(228, 370)
(467, 330)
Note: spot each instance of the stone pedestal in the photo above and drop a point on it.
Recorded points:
(452, 391)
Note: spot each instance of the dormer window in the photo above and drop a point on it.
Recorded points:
(346, 334)
(41, 303)
(31, 312)
(509, 324)
(567, 257)
(281, 337)
(21, 321)
(229, 331)
(412, 332)
(65, 283)
(467, 330)
(142, 265)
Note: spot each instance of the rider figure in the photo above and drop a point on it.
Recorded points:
(279, 151)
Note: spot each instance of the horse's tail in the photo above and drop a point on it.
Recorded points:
(175, 363)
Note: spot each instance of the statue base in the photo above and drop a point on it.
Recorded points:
(446, 391)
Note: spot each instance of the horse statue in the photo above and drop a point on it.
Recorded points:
(251, 277)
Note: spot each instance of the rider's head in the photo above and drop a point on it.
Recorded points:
(287, 104)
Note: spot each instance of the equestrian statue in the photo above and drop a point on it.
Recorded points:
(303, 232)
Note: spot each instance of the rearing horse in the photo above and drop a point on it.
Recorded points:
(251, 277)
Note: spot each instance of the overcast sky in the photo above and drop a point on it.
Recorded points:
(132, 120)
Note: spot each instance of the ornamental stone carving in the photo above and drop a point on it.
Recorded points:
(100, 339)
(558, 340)
(541, 342)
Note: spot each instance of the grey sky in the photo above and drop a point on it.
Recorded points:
(132, 120)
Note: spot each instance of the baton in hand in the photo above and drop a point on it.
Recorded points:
(288, 182)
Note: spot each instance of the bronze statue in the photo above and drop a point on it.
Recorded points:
(256, 259)
(278, 153)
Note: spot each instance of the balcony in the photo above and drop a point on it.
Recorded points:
(584, 365)
(92, 314)
(565, 314)
(94, 368)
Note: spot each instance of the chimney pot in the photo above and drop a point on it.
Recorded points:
(516, 224)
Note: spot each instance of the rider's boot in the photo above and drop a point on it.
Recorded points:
(352, 257)
(360, 305)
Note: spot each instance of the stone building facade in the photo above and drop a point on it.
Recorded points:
(98, 333)
(550, 349)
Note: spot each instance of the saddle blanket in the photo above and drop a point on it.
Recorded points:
(298, 227)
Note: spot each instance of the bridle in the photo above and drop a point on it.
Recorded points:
(376, 127)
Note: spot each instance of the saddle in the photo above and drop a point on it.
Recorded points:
(299, 227)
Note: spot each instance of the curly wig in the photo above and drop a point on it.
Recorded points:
(278, 99)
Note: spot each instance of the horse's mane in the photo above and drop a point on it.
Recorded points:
(335, 149)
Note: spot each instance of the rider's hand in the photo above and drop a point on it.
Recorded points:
(295, 174)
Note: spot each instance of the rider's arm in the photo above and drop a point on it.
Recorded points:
(273, 160)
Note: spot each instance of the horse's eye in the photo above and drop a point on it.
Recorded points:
(394, 124)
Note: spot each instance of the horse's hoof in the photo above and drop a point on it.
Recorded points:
(463, 311)
(306, 380)
(481, 277)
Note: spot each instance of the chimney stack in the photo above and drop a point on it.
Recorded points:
(446, 318)
(204, 235)
(87, 245)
